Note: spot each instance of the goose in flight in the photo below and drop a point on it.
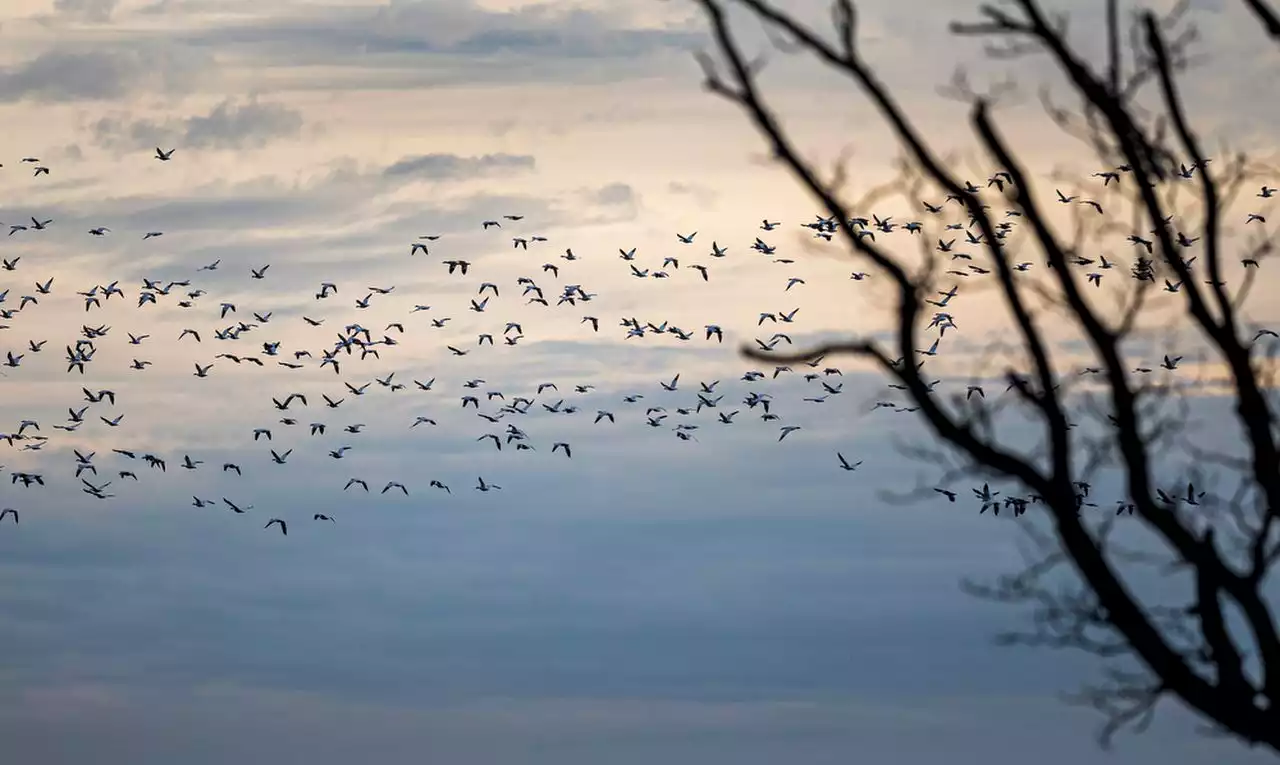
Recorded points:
(27, 479)
(236, 508)
(283, 405)
(846, 464)
(482, 486)
(284, 527)
(93, 398)
(7, 512)
(98, 492)
(987, 496)
(162, 155)
(1146, 243)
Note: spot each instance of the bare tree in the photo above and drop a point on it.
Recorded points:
(1217, 648)
(1266, 17)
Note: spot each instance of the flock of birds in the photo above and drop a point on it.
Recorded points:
(244, 337)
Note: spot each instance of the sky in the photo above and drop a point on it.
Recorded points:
(728, 598)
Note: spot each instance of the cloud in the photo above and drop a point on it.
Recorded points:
(251, 125)
(729, 599)
(619, 194)
(228, 125)
(336, 227)
(71, 74)
(452, 166)
(65, 76)
(700, 193)
(250, 721)
(96, 11)
(450, 42)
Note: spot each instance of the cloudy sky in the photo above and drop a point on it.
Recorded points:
(724, 599)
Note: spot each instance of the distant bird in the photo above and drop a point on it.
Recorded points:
(845, 463)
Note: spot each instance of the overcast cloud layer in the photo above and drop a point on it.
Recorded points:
(729, 599)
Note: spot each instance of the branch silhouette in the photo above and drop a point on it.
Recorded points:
(1226, 672)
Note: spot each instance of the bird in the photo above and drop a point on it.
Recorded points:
(336, 353)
